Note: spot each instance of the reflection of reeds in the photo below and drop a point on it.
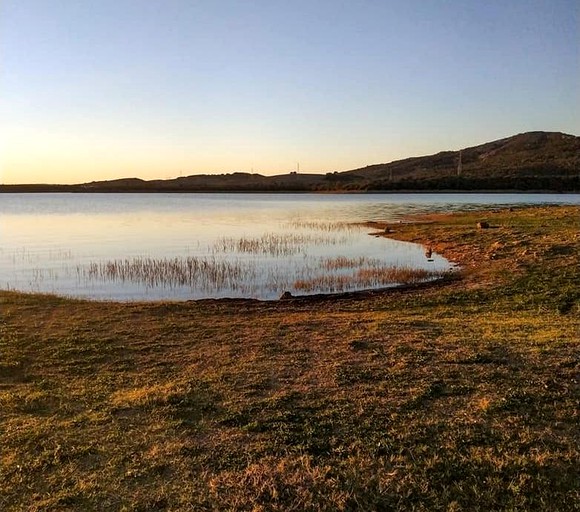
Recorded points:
(365, 278)
(25, 255)
(274, 244)
(198, 272)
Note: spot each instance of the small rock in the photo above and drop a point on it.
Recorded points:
(286, 296)
(482, 225)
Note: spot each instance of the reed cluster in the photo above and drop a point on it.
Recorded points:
(328, 226)
(210, 274)
(340, 262)
(203, 273)
(365, 278)
(274, 244)
(399, 275)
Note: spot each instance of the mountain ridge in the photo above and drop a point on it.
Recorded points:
(527, 161)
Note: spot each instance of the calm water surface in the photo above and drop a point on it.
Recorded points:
(184, 246)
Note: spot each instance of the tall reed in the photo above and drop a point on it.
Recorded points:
(365, 278)
(275, 244)
(340, 262)
(328, 226)
(203, 273)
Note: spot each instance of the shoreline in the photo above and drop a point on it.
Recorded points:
(58, 189)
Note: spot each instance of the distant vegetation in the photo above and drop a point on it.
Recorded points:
(539, 161)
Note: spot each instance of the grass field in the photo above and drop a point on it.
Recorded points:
(463, 395)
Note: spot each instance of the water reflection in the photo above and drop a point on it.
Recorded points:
(182, 246)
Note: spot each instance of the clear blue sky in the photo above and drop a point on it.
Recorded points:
(105, 89)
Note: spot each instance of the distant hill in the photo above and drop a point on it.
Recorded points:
(543, 161)
(526, 161)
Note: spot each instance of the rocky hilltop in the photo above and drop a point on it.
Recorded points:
(546, 161)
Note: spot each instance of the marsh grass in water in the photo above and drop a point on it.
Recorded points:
(275, 245)
(340, 262)
(204, 273)
(328, 226)
(367, 278)
(310, 257)
(329, 275)
(265, 266)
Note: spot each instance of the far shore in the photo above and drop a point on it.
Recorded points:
(76, 189)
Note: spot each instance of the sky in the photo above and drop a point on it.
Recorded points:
(156, 89)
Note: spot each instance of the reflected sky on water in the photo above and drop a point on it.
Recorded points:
(47, 241)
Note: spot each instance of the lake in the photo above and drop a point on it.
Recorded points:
(130, 247)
